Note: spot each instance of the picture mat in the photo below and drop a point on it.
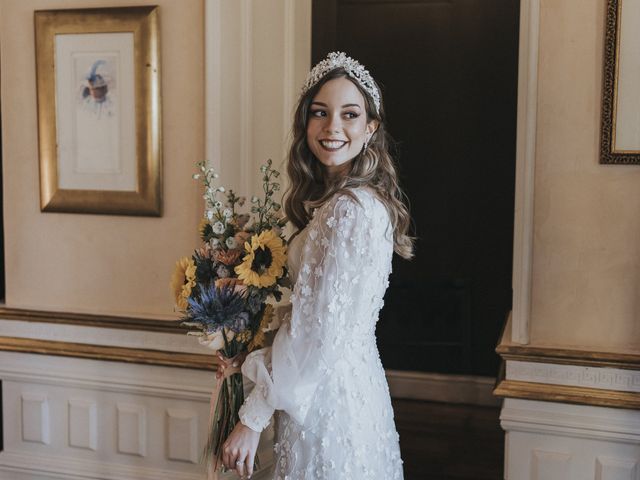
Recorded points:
(96, 142)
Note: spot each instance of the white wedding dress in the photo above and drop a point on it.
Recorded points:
(323, 376)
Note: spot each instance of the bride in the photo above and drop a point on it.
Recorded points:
(323, 377)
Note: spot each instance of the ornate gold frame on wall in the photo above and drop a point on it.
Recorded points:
(143, 23)
(610, 92)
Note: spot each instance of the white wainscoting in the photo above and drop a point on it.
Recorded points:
(556, 441)
(68, 418)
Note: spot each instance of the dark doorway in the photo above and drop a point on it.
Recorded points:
(448, 71)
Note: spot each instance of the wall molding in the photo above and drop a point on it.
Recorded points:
(589, 422)
(170, 325)
(510, 351)
(567, 394)
(103, 375)
(575, 376)
(109, 353)
(464, 389)
(99, 336)
(565, 356)
(525, 168)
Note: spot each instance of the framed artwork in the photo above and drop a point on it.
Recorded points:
(99, 112)
(620, 130)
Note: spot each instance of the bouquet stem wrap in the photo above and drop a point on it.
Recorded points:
(226, 399)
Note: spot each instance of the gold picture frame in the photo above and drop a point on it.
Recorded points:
(620, 129)
(99, 110)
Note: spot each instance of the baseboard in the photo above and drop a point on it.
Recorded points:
(437, 387)
(19, 466)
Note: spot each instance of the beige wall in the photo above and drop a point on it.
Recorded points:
(586, 258)
(258, 53)
(100, 263)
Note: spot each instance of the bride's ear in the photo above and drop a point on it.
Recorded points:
(372, 127)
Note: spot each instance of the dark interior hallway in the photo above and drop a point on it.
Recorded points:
(449, 442)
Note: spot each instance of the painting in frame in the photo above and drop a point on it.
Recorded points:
(99, 110)
(620, 126)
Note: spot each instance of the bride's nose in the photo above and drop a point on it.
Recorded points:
(333, 124)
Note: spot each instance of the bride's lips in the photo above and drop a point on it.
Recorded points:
(332, 145)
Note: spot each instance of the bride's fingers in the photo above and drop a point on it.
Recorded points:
(229, 366)
(224, 360)
(228, 458)
(249, 464)
(234, 361)
(239, 465)
(228, 362)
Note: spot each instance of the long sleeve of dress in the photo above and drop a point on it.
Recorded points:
(330, 307)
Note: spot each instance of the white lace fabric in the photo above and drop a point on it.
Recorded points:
(323, 376)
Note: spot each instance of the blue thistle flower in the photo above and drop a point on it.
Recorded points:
(217, 308)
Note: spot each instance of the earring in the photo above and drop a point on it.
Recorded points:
(366, 144)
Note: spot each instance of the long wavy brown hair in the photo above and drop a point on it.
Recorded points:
(310, 186)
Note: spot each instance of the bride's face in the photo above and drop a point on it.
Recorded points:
(337, 125)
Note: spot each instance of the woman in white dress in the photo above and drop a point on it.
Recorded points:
(323, 376)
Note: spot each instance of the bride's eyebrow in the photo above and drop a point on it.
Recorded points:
(322, 104)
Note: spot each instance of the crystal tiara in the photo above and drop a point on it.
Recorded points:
(354, 69)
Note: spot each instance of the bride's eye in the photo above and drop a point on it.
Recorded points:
(351, 115)
(318, 113)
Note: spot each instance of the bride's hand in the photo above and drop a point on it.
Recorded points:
(229, 366)
(239, 451)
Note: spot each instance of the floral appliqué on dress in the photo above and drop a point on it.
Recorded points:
(323, 374)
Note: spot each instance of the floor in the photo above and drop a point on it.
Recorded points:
(449, 442)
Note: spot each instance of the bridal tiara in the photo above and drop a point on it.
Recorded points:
(354, 69)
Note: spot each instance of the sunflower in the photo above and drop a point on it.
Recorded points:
(258, 337)
(204, 228)
(183, 280)
(264, 260)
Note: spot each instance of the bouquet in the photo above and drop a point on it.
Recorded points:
(223, 288)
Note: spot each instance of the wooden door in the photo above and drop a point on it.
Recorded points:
(448, 71)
